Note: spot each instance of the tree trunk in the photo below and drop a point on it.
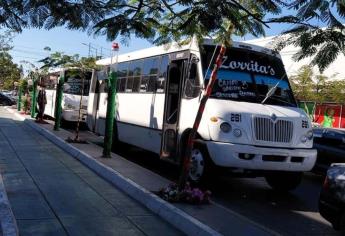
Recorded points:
(80, 106)
(207, 93)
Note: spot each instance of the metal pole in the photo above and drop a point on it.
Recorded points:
(58, 101)
(33, 100)
(110, 118)
(19, 105)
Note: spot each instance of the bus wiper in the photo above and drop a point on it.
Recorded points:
(270, 92)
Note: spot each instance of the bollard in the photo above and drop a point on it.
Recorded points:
(110, 118)
(19, 104)
(33, 100)
(58, 101)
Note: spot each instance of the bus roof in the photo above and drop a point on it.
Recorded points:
(175, 47)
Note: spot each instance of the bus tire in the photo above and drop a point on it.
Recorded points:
(283, 181)
(202, 168)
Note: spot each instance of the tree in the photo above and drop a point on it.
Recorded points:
(324, 44)
(9, 71)
(302, 84)
(79, 14)
(81, 66)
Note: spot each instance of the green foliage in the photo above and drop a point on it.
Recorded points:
(9, 71)
(164, 21)
(24, 85)
(160, 21)
(323, 44)
(318, 88)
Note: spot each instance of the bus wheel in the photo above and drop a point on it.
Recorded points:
(284, 181)
(201, 165)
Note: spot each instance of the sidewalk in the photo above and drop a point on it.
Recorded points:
(51, 193)
(217, 217)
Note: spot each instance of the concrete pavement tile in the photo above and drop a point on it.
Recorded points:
(102, 226)
(29, 205)
(153, 226)
(42, 227)
(18, 182)
(5, 149)
(70, 196)
(10, 167)
(26, 201)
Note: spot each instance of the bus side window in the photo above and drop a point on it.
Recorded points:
(122, 72)
(150, 71)
(134, 74)
(162, 75)
(192, 85)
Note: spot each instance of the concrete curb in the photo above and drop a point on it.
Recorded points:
(8, 222)
(19, 117)
(167, 211)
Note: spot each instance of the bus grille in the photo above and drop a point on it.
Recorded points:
(267, 130)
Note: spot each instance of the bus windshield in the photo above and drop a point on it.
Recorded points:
(247, 76)
(75, 84)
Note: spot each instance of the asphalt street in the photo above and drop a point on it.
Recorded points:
(51, 193)
(293, 213)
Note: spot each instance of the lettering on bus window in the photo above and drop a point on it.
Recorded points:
(235, 85)
(76, 85)
(251, 66)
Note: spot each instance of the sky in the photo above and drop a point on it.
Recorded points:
(29, 45)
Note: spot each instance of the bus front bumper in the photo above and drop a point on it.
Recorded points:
(261, 158)
(72, 115)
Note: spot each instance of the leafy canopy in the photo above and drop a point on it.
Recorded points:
(9, 71)
(323, 44)
(157, 20)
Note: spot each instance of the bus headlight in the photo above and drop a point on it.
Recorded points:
(309, 135)
(237, 133)
(304, 139)
(225, 127)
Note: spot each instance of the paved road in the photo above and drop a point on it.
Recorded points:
(53, 194)
(294, 213)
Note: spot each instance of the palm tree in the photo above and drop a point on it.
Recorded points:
(318, 29)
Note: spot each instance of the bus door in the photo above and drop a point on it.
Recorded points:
(173, 91)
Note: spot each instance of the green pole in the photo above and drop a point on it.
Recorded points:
(33, 100)
(58, 101)
(19, 105)
(110, 118)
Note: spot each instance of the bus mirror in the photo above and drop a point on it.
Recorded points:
(195, 60)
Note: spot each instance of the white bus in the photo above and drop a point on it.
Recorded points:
(71, 95)
(158, 95)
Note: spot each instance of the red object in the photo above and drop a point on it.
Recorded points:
(338, 109)
(115, 46)
(190, 142)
